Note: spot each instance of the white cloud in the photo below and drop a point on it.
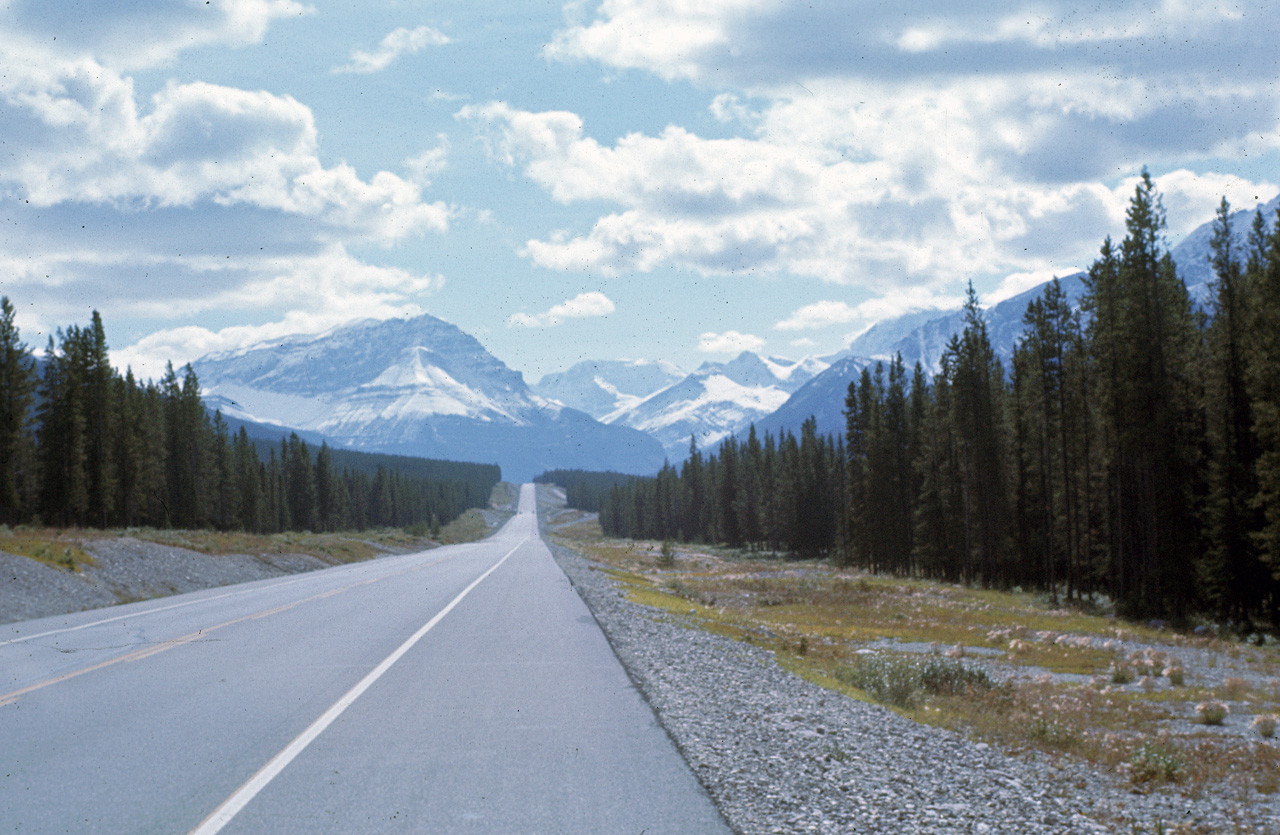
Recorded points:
(581, 306)
(819, 315)
(139, 35)
(319, 291)
(402, 41)
(430, 162)
(827, 313)
(208, 191)
(729, 342)
(900, 145)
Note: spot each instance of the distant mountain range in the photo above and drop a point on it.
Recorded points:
(603, 387)
(422, 387)
(922, 336)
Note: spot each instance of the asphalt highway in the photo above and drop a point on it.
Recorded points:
(464, 689)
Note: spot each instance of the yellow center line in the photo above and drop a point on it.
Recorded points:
(162, 646)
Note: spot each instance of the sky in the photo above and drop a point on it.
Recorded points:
(658, 179)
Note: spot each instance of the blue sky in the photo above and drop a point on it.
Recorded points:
(666, 179)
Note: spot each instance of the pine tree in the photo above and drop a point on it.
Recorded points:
(1232, 574)
(1264, 389)
(17, 395)
(977, 384)
(1144, 338)
(63, 445)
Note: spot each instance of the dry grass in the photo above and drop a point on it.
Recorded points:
(65, 548)
(469, 527)
(820, 621)
(47, 545)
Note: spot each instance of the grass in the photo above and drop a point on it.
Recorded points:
(49, 546)
(905, 680)
(65, 548)
(886, 639)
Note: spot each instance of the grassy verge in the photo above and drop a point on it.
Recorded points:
(47, 546)
(66, 548)
(1062, 682)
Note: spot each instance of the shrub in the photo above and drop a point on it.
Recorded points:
(1054, 733)
(1234, 688)
(1265, 725)
(1157, 761)
(1121, 673)
(1212, 713)
(1176, 675)
(901, 680)
(667, 555)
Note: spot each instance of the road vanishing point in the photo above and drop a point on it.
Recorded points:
(465, 689)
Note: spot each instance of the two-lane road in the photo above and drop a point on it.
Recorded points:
(465, 689)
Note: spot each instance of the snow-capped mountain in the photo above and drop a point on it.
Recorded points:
(716, 400)
(922, 336)
(1194, 253)
(415, 386)
(602, 387)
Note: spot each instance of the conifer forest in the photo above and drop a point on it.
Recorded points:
(1131, 451)
(82, 445)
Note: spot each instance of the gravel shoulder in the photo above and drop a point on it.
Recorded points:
(126, 570)
(780, 755)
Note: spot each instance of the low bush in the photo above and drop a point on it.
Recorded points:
(901, 681)
(1212, 713)
(1157, 762)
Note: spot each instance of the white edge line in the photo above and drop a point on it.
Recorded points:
(230, 807)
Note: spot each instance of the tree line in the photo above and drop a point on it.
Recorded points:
(1131, 450)
(82, 445)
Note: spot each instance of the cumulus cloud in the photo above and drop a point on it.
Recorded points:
(786, 202)
(581, 306)
(402, 41)
(819, 315)
(900, 144)
(133, 36)
(203, 191)
(829, 313)
(319, 291)
(729, 342)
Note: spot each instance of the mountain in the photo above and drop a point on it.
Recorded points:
(923, 335)
(601, 387)
(716, 400)
(419, 387)
(822, 397)
(1194, 253)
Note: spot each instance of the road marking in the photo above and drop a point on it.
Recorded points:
(230, 807)
(161, 646)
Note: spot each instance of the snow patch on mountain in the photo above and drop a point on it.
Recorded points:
(416, 386)
(716, 400)
(601, 387)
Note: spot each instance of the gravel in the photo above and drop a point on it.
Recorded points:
(781, 755)
(129, 569)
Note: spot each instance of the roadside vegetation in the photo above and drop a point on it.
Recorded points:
(1159, 708)
(70, 548)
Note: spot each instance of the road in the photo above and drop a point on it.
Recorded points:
(465, 689)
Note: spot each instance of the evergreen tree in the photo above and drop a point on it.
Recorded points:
(17, 395)
(1232, 574)
(1144, 339)
(1264, 389)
